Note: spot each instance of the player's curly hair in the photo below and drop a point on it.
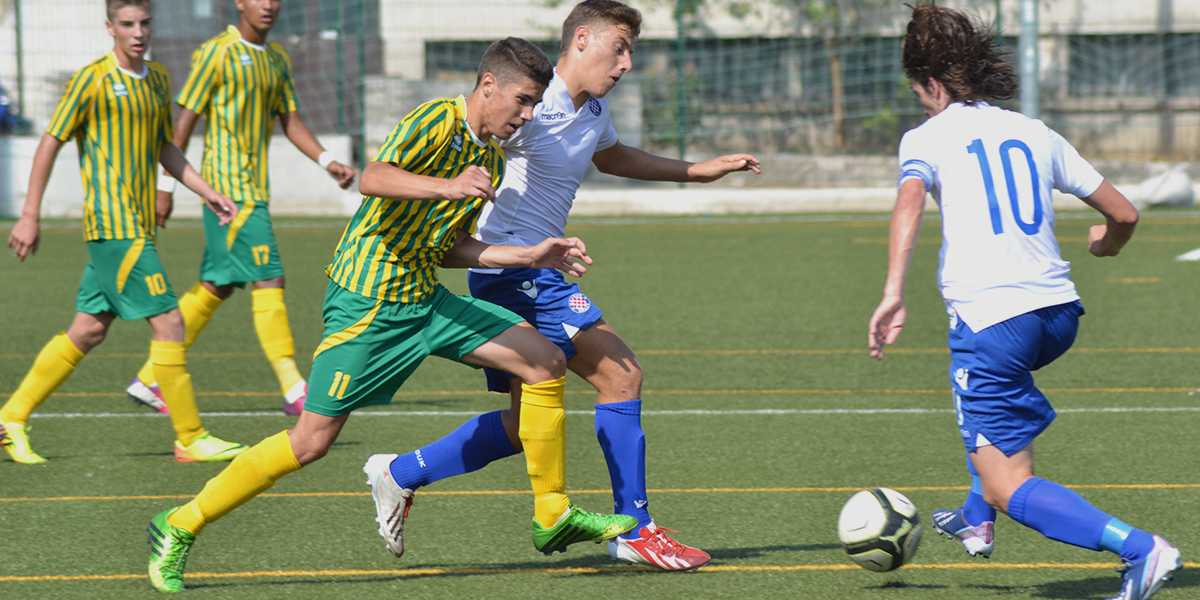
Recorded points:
(112, 6)
(960, 52)
(511, 58)
(593, 12)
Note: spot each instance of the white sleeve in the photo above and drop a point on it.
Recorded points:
(608, 135)
(1072, 174)
(915, 162)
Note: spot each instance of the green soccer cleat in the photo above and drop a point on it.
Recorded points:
(208, 448)
(14, 438)
(169, 547)
(576, 525)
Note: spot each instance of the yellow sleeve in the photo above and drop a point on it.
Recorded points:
(76, 104)
(204, 78)
(420, 136)
(285, 101)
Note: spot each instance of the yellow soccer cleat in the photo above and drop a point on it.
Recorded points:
(14, 438)
(208, 448)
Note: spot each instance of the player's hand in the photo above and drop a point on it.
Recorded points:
(474, 182)
(164, 203)
(1098, 242)
(721, 166)
(340, 173)
(886, 325)
(568, 255)
(25, 237)
(223, 207)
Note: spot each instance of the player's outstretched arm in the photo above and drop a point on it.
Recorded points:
(173, 160)
(27, 233)
(888, 320)
(306, 142)
(164, 199)
(1121, 218)
(634, 163)
(568, 255)
(386, 180)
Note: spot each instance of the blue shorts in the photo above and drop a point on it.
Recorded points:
(991, 374)
(543, 298)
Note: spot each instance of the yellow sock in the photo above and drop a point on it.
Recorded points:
(287, 372)
(250, 474)
(271, 323)
(197, 307)
(53, 365)
(170, 368)
(543, 433)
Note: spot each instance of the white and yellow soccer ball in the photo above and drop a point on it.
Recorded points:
(880, 529)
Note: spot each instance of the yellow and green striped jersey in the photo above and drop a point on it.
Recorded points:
(239, 88)
(120, 121)
(391, 249)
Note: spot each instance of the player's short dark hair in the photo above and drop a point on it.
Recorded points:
(959, 51)
(510, 59)
(596, 12)
(112, 6)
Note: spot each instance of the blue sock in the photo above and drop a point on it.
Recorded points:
(472, 446)
(619, 429)
(975, 510)
(1060, 514)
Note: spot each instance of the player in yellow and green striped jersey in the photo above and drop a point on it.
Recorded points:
(241, 83)
(385, 313)
(118, 111)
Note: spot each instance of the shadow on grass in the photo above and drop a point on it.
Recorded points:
(756, 552)
(1091, 588)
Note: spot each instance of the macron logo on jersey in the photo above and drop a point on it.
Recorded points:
(960, 377)
(529, 288)
(555, 116)
(245, 58)
(119, 89)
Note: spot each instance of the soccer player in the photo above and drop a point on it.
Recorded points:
(549, 158)
(385, 311)
(117, 110)
(241, 83)
(1013, 308)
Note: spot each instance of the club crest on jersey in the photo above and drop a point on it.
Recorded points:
(119, 89)
(245, 58)
(456, 142)
(579, 303)
(594, 106)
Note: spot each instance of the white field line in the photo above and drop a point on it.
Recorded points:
(700, 412)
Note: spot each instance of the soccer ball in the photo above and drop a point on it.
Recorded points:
(880, 529)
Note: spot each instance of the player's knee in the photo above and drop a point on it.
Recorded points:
(309, 452)
(89, 336)
(548, 361)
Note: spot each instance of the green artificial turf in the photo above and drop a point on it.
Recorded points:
(730, 317)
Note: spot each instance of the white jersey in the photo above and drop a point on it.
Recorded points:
(547, 159)
(991, 172)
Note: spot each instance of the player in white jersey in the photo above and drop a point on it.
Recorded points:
(547, 160)
(1012, 306)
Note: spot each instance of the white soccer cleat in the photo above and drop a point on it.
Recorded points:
(391, 501)
(979, 540)
(1141, 579)
(293, 400)
(146, 395)
(657, 549)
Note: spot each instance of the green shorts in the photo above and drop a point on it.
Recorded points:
(124, 277)
(372, 346)
(241, 251)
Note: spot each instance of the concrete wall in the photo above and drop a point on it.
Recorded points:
(298, 185)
